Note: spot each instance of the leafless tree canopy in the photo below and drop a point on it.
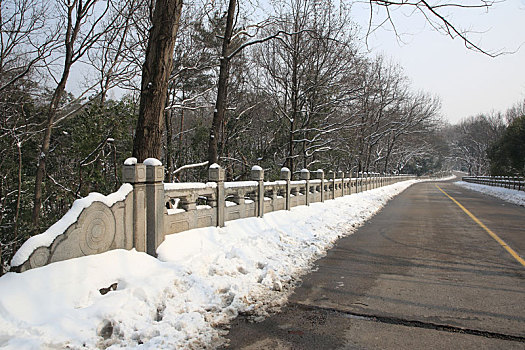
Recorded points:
(436, 13)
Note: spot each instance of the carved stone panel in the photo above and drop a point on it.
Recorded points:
(95, 229)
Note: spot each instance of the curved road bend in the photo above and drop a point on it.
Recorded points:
(421, 274)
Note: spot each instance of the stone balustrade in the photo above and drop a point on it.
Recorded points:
(150, 209)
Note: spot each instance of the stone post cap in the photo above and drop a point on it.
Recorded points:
(318, 174)
(133, 173)
(285, 174)
(257, 173)
(216, 173)
(305, 174)
(154, 170)
(331, 174)
(340, 174)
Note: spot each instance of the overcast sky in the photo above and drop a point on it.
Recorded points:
(468, 83)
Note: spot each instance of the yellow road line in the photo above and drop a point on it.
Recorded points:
(492, 234)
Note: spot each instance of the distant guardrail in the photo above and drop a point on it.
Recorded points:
(512, 182)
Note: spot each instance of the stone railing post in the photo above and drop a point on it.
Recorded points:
(286, 175)
(217, 174)
(305, 175)
(154, 205)
(319, 174)
(341, 175)
(348, 175)
(257, 174)
(135, 174)
(332, 176)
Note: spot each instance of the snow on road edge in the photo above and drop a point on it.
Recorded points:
(506, 194)
(202, 279)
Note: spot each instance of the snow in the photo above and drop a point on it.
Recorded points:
(175, 211)
(506, 194)
(304, 171)
(131, 161)
(237, 184)
(215, 166)
(46, 239)
(298, 182)
(189, 186)
(202, 279)
(257, 168)
(152, 162)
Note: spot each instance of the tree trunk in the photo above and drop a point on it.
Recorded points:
(46, 141)
(389, 152)
(168, 115)
(19, 191)
(155, 75)
(181, 158)
(294, 98)
(222, 88)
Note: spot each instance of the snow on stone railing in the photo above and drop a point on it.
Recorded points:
(94, 224)
(145, 209)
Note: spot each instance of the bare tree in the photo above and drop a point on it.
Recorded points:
(108, 56)
(436, 13)
(80, 21)
(26, 38)
(470, 140)
(516, 111)
(222, 85)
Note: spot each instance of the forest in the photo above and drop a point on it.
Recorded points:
(288, 84)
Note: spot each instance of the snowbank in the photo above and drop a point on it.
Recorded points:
(508, 195)
(201, 281)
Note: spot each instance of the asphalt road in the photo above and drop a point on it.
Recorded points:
(421, 274)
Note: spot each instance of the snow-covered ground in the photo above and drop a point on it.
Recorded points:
(202, 279)
(509, 195)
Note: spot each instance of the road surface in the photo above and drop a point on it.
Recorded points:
(421, 274)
